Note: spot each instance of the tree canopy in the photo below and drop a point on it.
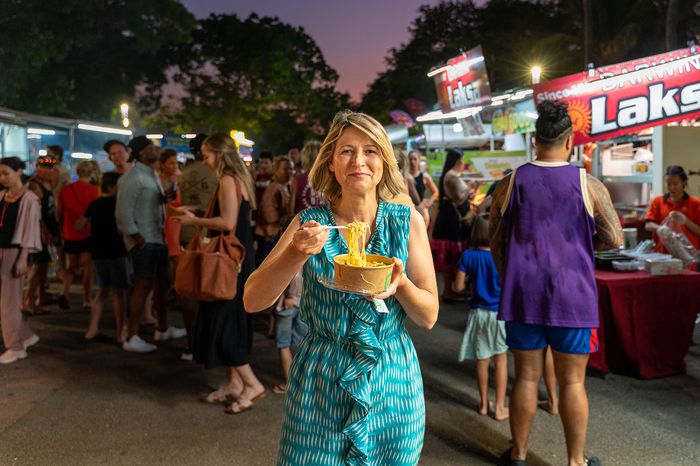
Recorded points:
(81, 58)
(517, 34)
(258, 74)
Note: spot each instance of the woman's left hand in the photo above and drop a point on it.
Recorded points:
(21, 267)
(184, 216)
(397, 277)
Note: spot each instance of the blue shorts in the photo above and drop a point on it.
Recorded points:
(567, 340)
(289, 328)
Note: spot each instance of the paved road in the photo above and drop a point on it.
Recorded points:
(76, 403)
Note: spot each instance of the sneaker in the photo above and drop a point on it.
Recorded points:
(31, 341)
(11, 356)
(171, 333)
(63, 303)
(592, 461)
(137, 345)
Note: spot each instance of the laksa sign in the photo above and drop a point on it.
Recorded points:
(463, 82)
(628, 97)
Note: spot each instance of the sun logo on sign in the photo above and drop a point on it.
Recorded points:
(580, 116)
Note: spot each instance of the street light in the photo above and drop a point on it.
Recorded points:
(536, 72)
(124, 109)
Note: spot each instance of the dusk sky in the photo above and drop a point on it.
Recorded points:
(354, 36)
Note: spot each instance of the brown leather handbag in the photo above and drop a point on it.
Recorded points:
(208, 268)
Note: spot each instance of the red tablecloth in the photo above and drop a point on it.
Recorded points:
(646, 322)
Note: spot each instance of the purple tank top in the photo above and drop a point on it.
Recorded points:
(549, 269)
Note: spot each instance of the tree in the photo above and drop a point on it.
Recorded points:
(259, 75)
(516, 34)
(80, 58)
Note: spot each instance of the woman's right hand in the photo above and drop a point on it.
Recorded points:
(310, 238)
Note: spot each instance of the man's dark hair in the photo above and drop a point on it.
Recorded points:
(677, 170)
(57, 151)
(109, 180)
(553, 124)
(108, 145)
(266, 155)
(479, 236)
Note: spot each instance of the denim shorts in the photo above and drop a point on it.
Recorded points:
(289, 328)
(150, 261)
(112, 272)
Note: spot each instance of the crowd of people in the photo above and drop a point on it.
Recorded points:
(522, 261)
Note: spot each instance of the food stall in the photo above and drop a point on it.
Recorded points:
(623, 112)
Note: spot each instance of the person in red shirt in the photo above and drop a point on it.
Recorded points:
(685, 208)
(72, 204)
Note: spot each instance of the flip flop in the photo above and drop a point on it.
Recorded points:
(242, 405)
(218, 396)
(280, 389)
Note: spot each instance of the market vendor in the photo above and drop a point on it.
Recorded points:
(675, 200)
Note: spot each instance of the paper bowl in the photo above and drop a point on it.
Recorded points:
(366, 279)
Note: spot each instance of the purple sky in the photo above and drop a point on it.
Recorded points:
(354, 35)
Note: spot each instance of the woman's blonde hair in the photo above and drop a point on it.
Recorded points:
(309, 153)
(323, 180)
(229, 162)
(89, 169)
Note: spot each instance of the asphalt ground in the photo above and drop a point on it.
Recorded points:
(72, 402)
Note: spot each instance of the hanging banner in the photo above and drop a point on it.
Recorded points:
(514, 119)
(463, 82)
(627, 97)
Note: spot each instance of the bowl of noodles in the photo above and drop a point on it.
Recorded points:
(356, 270)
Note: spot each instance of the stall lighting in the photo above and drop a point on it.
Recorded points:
(45, 132)
(105, 129)
(189, 136)
(438, 115)
(457, 128)
(536, 73)
(532, 115)
(42, 152)
(81, 155)
(33, 136)
(154, 136)
(502, 96)
(495, 103)
(522, 94)
(471, 62)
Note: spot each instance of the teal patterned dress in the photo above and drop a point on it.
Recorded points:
(355, 391)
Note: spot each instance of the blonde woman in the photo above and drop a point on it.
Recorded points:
(355, 393)
(224, 332)
(72, 204)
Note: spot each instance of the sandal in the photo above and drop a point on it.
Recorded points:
(221, 395)
(242, 405)
(280, 389)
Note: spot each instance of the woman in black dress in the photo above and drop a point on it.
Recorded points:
(450, 234)
(224, 332)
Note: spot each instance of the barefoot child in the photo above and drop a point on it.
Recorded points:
(484, 337)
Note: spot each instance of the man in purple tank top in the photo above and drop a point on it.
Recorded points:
(546, 220)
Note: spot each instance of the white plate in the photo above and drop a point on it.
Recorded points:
(328, 283)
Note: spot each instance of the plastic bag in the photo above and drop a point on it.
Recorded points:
(674, 240)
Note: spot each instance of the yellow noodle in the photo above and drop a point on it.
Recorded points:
(357, 234)
(356, 244)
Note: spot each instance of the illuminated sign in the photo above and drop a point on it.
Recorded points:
(463, 82)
